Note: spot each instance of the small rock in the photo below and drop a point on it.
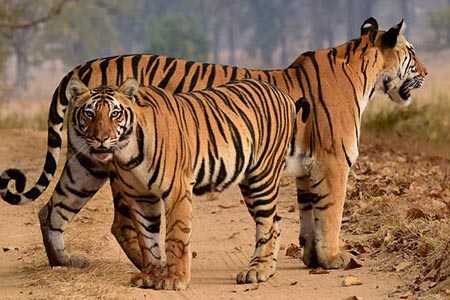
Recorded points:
(194, 254)
(351, 280)
(291, 208)
(353, 298)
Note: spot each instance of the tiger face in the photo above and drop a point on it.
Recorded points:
(402, 70)
(101, 117)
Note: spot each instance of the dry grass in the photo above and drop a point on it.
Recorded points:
(24, 114)
(399, 203)
(426, 118)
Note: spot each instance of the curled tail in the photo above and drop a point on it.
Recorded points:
(56, 115)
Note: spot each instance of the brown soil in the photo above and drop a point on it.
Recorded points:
(223, 238)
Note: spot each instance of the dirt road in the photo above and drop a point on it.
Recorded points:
(223, 238)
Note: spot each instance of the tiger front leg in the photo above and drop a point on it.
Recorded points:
(177, 273)
(74, 189)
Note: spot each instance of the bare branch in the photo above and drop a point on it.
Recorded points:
(54, 11)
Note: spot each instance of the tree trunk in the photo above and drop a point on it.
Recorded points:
(21, 67)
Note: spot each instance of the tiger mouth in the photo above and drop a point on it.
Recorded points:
(408, 86)
(102, 154)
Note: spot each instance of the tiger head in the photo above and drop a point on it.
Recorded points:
(101, 118)
(402, 71)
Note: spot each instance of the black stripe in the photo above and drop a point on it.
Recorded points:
(103, 68)
(349, 162)
(134, 65)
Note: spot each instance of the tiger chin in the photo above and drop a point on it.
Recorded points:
(158, 148)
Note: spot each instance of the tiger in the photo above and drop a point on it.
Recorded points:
(157, 146)
(338, 83)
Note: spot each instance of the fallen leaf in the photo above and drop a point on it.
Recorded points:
(352, 264)
(291, 208)
(319, 271)
(401, 266)
(415, 213)
(237, 250)
(360, 248)
(293, 251)
(422, 250)
(351, 280)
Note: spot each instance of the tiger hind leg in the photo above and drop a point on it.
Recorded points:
(328, 211)
(262, 265)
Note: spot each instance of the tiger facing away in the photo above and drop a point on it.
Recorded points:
(157, 146)
(338, 82)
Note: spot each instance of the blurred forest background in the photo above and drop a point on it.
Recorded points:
(41, 40)
(60, 34)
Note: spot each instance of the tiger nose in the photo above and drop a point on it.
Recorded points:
(102, 137)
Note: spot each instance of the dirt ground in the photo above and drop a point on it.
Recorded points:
(223, 238)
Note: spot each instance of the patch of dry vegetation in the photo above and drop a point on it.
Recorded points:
(24, 114)
(428, 117)
(399, 204)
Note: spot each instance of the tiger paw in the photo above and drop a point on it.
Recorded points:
(338, 261)
(143, 280)
(78, 262)
(68, 261)
(172, 282)
(254, 275)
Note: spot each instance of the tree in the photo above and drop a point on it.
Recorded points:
(439, 22)
(176, 36)
(19, 23)
(80, 33)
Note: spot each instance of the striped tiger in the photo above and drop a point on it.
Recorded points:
(338, 81)
(157, 146)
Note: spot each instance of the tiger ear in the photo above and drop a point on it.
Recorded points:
(390, 38)
(75, 88)
(129, 87)
(369, 25)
